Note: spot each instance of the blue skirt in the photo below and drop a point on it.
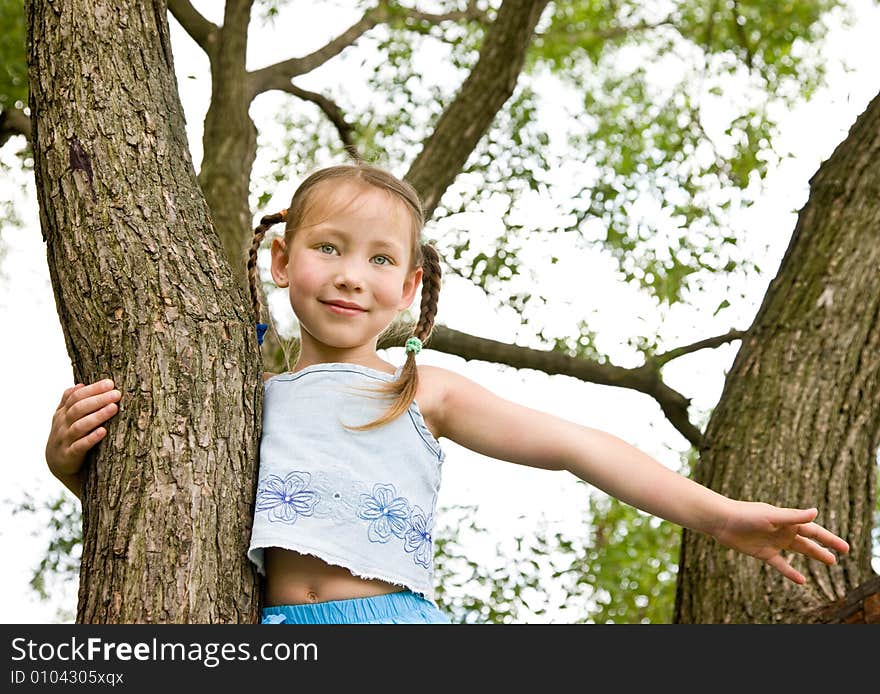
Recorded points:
(404, 607)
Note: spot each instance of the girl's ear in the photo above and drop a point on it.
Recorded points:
(410, 284)
(279, 263)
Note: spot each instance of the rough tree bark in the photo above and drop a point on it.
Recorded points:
(798, 423)
(145, 296)
(229, 138)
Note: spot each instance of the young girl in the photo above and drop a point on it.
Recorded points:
(349, 456)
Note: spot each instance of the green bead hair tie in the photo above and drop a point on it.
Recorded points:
(414, 345)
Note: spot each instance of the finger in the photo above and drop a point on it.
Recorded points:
(59, 418)
(66, 394)
(83, 426)
(824, 537)
(89, 404)
(80, 447)
(813, 550)
(777, 561)
(791, 516)
(95, 388)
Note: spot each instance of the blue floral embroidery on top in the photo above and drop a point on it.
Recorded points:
(287, 499)
(418, 538)
(388, 513)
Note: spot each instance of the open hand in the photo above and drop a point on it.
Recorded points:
(766, 532)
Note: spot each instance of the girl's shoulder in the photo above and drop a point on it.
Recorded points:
(441, 392)
(267, 375)
(429, 395)
(432, 379)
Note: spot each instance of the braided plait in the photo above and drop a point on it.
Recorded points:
(430, 292)
(253, 276)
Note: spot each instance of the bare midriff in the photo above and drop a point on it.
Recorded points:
(296, 579)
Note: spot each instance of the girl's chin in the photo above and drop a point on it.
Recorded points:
(336, 343)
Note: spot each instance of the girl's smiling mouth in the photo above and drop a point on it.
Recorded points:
(345, 308)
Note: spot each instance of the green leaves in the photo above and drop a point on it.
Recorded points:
(620, 569)
(657, 164)
(669, 134)
(60, 565)
(13, 61)
(633, 564)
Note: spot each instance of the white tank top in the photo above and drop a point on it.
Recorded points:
(363, 500)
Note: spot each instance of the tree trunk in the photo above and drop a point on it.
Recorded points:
(798, 423)
(145, 296)
(230, 140)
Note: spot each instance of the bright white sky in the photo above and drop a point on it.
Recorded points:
(36, 368)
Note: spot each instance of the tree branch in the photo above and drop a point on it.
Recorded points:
(579, 37)
(741, 34)
(483, 93)
(272, 76)
(236, 19)
(661, 359)
(645, 379)
(200, 30)
(13, 121)
(471, 12)
(333, 112)
(860, 606)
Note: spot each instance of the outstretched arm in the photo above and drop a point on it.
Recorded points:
(475, 418)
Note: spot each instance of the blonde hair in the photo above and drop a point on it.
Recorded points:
(403, 389)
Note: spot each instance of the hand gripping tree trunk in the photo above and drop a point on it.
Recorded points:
(798, 423)
(145, 296)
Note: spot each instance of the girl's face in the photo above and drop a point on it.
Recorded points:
(348, 268)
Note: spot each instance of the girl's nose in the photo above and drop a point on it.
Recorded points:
(348, 276)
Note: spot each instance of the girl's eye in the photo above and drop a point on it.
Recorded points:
(327, 248)
(382, 260)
